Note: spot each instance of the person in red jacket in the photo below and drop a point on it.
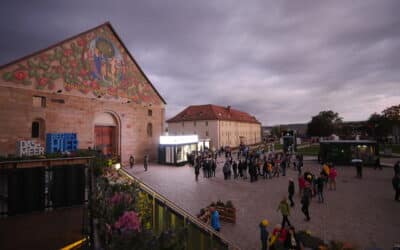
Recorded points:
(332, 178)
(278, 237)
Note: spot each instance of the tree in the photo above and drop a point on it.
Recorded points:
(380, 125)
(276, 131)
(392, 114)
(324, 124)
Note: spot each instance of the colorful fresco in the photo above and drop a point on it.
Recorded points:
(94, 63)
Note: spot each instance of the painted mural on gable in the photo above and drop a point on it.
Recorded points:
(94, 63)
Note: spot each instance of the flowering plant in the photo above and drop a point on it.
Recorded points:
(129, 221)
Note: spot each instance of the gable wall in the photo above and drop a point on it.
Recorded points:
(68, 72)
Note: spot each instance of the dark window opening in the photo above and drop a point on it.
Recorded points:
(150, 130)
(35, 129)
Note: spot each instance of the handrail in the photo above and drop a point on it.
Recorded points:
(74, 245)
(178, 209)
(47, 159)
(45, 162)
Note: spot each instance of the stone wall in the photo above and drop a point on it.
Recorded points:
(66, 113)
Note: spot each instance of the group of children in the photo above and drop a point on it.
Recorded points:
(280, 237)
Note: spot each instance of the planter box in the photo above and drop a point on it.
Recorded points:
(227, 214)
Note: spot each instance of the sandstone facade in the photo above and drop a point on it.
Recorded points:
(73, 91)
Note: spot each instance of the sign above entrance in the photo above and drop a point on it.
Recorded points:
(180, 139)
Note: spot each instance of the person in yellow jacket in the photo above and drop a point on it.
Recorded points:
(285, 211)
(264, 234)
(325, 173)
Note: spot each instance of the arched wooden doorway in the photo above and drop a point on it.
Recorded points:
(106, 133)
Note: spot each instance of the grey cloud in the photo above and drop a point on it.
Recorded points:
(282, 61)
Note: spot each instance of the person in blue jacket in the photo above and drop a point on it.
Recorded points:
(215, 219)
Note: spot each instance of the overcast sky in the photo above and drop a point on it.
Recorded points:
(282, 61)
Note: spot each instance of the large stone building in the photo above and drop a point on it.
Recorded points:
(89, 85)
(223, 126)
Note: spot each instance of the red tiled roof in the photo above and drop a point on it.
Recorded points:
(212, 112)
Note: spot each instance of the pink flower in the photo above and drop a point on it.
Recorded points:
(43, 81)
(95, 85)
(129, 221)
(81, 42)
(87, 83)
(44, 57)
(112, 91)
(83, 72)
(117, 198)
(73, 63)
(20, 75)
(67, 52)
(120, 198)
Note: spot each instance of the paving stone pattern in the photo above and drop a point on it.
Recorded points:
(362, 212)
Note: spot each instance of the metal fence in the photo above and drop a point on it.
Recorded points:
(41, 185)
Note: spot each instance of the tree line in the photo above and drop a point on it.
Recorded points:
(378, 125)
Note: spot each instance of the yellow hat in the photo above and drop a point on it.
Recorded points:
(265, 223)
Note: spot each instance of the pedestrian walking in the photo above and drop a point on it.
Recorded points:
(285, 211)
(240, 168)
(397, 168)
(283, 165)
(291, 191)
(197, 171)
(378, 163)
(302, 185)
(332, 178)
(358, 164)
(226, 170)
(305, 204)
(396, 186)
(320, 188)
(265, 170)
(245, 169)
(276, 169)
(264, 234)
(299, 166)
(131, 161)
(213, 167)
(269, 170)
(146, 162)
(235, 170)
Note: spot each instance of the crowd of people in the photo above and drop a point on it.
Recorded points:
(247, 165)
(259, 164)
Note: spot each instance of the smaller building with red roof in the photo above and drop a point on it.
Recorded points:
(222, 126)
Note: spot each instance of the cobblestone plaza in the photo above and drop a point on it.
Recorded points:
(362, 212)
